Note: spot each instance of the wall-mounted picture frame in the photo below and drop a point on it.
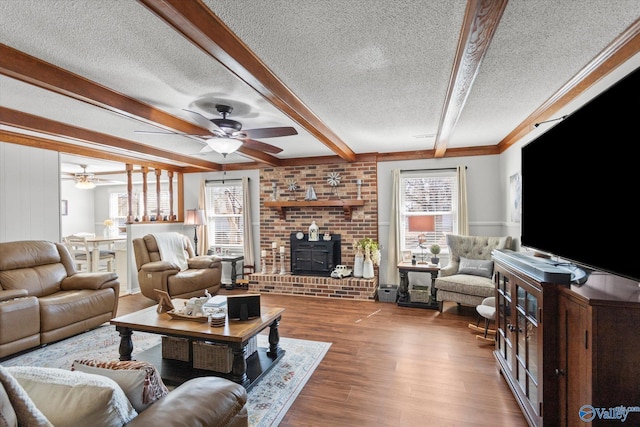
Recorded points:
(515, 197)
(406, 256)
(64, 207)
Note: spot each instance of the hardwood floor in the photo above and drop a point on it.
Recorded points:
(390, 365)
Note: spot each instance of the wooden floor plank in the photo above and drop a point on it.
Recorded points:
(389, 365)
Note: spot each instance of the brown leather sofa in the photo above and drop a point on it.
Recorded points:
(44, 299)
(205, 401)
(204, 272)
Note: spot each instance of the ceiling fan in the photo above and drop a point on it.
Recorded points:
(227, 135)
(85, 180)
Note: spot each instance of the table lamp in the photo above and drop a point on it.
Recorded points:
(422, 224)
(195, 217)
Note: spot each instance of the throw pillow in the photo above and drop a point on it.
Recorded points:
(75, 399)
(140, 381)
(476, 267)
(23, 406)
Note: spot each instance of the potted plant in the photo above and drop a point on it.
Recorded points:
(435, 250)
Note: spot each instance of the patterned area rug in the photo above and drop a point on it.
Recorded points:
(269, 399)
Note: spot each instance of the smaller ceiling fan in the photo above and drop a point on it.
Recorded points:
(85, 180)
(226, 135)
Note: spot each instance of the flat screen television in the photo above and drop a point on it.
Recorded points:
(243, 307)
(580, 184)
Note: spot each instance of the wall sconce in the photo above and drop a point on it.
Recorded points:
(195, 217)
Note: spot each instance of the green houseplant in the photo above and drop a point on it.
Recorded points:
(435, 250)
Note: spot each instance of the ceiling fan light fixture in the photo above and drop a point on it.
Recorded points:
(84, 180)
(85, 184)
(224, 146)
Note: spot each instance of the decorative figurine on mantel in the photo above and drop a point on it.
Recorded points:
(314, 232)
(310, 194)
(292, 185)
(333, 180)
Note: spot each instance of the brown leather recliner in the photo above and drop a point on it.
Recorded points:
(204, 272)
(44, 299)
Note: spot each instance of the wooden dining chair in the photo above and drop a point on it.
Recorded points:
(81, 252)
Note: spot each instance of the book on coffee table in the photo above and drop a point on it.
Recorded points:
(216, 301)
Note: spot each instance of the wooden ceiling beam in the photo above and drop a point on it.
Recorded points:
(77, 150)
(481, 19)
(196, 22)
(33, 123)
(29, 69)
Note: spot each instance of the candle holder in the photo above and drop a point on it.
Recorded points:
(359, 184)
(264, 265)
(274, 270)
(282, 270)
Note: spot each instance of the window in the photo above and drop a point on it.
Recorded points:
(119, 206)
(428, 200)
(224, 210)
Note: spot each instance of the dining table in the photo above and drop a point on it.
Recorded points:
(96, 243)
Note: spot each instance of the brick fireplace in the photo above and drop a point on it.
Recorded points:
(359, 222)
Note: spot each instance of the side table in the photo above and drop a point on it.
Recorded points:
(233, 259)
(404, 299)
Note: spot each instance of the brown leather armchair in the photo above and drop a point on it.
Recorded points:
(204, 272)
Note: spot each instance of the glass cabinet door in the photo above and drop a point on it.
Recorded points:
(527, 344)
(503, 321)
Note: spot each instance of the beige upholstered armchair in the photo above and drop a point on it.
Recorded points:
(166, 262)
(468, 278)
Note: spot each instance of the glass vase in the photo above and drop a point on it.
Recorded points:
(367, 267)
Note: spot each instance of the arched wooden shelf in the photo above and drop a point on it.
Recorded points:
(282, 205)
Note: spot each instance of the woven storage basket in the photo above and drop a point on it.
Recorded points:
(175, 348)
(416, 295)
(218, 357)
(212, 357)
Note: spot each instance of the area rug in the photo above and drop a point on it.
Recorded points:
(268, 400)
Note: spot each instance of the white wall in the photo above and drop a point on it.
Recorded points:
(81, 208)
(509, 165)
(29, 193)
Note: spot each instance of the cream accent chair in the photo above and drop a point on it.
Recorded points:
(204, 272)
(468, 278)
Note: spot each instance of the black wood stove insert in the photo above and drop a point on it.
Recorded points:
(314, 258)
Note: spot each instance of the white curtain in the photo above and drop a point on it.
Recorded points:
(203, 230)
(248, 226)
(394, 254)
(463, 215)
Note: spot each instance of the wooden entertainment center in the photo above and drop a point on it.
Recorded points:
(569, 353)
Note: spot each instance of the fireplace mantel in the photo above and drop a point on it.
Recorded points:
(346, 205)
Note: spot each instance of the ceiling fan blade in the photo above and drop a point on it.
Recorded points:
(270, 132)
(204, 122)
(260, 146)
(160, 132)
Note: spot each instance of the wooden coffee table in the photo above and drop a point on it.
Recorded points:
(236, 334)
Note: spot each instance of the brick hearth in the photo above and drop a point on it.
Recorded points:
(326, 287)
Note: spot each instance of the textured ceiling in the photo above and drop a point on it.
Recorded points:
(378, 74)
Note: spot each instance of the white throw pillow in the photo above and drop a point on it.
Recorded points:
(476, 267)
(75, 399)
(140, 381)
(23, 406)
